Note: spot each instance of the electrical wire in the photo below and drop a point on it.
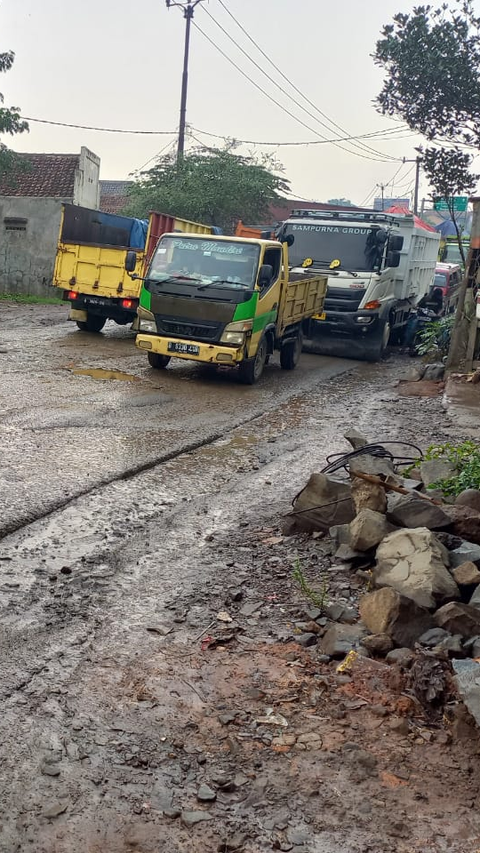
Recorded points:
(377, 133)
(292, 85)
(337, 461)
(158, 154)
(273, 100)
(295, 101)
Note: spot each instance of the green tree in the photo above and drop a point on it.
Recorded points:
(10, 119)
(214, 186)
(431, 59)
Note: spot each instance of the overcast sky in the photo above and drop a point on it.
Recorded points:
(116, 63)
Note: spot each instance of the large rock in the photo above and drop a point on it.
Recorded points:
(467, 574)
(368, 529)
(414, 563)
(465, 522)
(355, 438)
(375, 466)
(340, 639)
(466, 552)
(385, 611)
(459, 618)
(340, 535)
(413, 511)
(470, 498)
(435, 470)
(467, 674)
(323, 503)
(368, 496)
(475, 599)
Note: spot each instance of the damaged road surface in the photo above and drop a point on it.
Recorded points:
(161, 680)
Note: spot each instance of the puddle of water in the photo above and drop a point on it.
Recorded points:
(102, 374)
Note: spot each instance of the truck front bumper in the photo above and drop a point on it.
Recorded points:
(341, 322)
(206, 353)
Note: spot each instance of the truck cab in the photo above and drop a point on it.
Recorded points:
(378, 264)
(225, 301)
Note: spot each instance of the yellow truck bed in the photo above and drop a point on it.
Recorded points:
(303, 297)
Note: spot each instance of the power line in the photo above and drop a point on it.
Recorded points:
(273, 100)
(292, 85)
(374, 134)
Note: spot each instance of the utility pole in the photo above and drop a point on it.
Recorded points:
(188, 9)
(418, 162)
(382, 190)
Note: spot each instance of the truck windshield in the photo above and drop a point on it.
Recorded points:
(200, 263)
(354, 246)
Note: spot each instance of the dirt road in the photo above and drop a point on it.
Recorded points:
(137, 506)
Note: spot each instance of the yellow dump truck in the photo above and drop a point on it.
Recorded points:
(226, 301)
(90, 261)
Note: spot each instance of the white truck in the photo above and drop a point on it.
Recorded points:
(379, 265)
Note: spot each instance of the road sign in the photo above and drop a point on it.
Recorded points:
(460, 203)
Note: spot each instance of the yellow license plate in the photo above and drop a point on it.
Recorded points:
(322, 316)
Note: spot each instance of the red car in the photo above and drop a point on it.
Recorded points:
(446, 277)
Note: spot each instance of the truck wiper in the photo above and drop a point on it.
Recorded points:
(222, 281)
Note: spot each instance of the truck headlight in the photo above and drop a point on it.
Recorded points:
(147, 326)
(234, 333)
(236, 338)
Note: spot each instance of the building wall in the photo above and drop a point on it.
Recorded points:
(29, 230)
(86, 191)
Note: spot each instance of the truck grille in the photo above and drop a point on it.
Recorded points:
(341, 299)
(207, 331)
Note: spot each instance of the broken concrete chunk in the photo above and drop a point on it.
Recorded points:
(414, 563)
(466, 574)
(470, 498)
(436, 469)
(385, 611)
(368, 495)
(459, 618)
(340, 535)
(413, 511)
(467, 674)
(340, 639)
(355, 438)
(323, 503)
(466, 552)
(465, 522)
(378, 466)
(378, 644)
(402, 657)
(368, 529)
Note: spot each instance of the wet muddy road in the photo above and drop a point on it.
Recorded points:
(114, 711)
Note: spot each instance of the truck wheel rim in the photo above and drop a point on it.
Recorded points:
(260, 359)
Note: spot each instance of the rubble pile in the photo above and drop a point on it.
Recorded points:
(420, 556)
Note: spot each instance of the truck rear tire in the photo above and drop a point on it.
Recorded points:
(290, 353)
(93, 323)
(377, 343)
(251, 369)
(159, 362)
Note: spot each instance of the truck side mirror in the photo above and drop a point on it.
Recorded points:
(265, 235)
(393, 259)
(130, 261)
(289, 239)
(265, 276)
(395, 243)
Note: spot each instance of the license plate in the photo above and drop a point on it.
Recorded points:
(322, 316)
(95, 300)
(185, 349)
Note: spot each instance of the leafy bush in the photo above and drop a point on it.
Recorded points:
(435, 338)
(466, 459)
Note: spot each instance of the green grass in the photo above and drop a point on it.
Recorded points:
(25, 299)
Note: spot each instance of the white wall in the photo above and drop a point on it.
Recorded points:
(87, 185)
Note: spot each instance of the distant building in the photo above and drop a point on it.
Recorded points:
(31, 197)
(114, 196)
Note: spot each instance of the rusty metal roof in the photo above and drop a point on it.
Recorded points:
(49, 175)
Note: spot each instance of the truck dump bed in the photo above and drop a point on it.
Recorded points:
(92, 246)
(304, 296)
